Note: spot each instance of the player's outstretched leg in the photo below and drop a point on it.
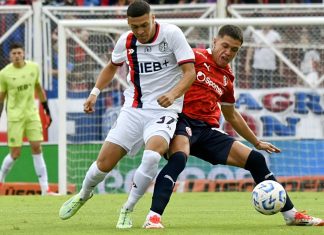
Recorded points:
(125, 219)
(71, 206)
(259, 170)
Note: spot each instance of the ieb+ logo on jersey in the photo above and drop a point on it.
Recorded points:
(152, 66)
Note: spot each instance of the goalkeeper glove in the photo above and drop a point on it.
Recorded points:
(47, 114)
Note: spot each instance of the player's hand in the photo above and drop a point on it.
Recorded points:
(48, 121)
(166, 100)
(48, 117)
(268, 147)
(89, 104)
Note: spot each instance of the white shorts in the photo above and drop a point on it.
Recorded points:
(134, 127)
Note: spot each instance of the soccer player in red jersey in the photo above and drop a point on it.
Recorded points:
(197, 132)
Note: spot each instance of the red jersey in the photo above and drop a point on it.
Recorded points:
(213, 85)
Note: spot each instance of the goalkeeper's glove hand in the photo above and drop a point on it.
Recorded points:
(47, 114)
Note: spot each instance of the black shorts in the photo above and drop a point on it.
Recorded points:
(206, 142)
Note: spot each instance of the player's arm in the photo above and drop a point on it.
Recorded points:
(240, 126)
(2, 98)
(189, 76)
(40, 93)
(105, 77)
(42, 98)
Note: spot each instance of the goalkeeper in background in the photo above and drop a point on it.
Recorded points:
(197, 131)
(18, 82)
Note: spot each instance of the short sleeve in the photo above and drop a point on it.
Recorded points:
(181, 48)
(3, 86)
(38, 80)
(119, 53)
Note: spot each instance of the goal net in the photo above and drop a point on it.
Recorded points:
(286, 109)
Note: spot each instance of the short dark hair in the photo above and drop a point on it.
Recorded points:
(15, 45)
(138, 8)
(232, 31)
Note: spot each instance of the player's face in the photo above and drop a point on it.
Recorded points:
(143, 27)
(225, 49)
(17, 56)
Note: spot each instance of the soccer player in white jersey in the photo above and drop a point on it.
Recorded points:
(161, 69)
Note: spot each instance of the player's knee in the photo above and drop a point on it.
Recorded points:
(150, 163)
(15, 154)
(36, 150)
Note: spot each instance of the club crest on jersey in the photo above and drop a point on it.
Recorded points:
(130, 51)
(188, 130)
(163, 46)
(225, 80)
(148, 49)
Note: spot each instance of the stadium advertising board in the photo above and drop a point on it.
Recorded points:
(287, 112)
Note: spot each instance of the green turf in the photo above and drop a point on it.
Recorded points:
(187, 213)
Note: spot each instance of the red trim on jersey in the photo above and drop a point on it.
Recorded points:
(117, 64)
(134, 71)
(157, 30)
(186, 61)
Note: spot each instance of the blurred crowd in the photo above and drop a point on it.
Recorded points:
(257, 65)
(99, 2)
(153, 2)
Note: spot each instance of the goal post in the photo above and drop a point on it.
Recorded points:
(290, 113)
(62, 140)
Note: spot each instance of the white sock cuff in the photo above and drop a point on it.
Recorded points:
(154, 213)
(289, 214)
(38, 159)
(37, 155)
(6, 165)
(8, 161)
(9, 158)
(96, 171)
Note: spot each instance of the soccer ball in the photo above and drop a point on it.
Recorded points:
(268, 197)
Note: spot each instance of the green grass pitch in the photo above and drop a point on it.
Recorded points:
(188, 213)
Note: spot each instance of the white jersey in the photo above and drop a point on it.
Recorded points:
(153, 67)
(264, 57)
(307, 65)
